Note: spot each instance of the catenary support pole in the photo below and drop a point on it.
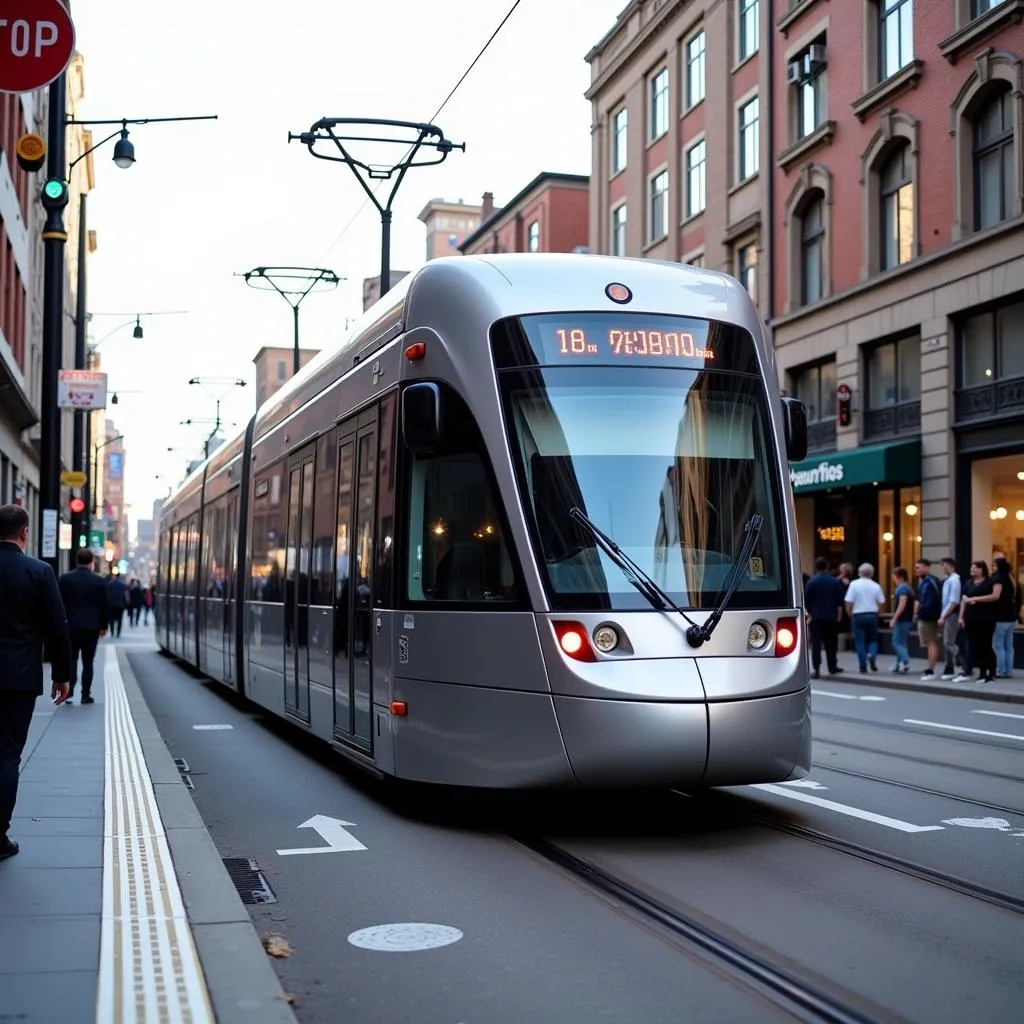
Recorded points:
(79, 522)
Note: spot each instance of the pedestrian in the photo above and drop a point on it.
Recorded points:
(1007, 611)
(903, 602)
(928, 613)
(978, 617)
(864, 598)
(85, 602)
(117, 601)
(32, 622)
(950, 631)
(823, 599)
(135, 602)
(147, 601)
(845, 578)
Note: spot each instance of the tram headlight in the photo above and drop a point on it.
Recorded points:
(758, 636)
(606, 639)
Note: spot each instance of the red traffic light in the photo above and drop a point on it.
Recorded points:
(77, 506)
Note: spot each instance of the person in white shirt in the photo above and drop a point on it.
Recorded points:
(864, 597)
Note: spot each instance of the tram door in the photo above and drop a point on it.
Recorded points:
(298, 557)
(353, 595)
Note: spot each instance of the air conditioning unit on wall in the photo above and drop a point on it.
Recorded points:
(817, 58)
(794, 73)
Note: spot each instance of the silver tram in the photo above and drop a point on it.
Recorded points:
(528, 525)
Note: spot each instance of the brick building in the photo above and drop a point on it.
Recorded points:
(889, 164)
(274, 369)
(549, 215)
(450, 224)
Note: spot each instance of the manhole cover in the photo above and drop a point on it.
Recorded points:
(249, 882)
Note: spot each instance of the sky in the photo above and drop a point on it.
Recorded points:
(208, 200)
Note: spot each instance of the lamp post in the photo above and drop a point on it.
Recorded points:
(293, 284)
(425, 136)
(54, 197)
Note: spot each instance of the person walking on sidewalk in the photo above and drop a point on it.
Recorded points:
(85, 601)
(32, 620)
(978, 617)
(948, 620)
(117, 601)
(901, 616)
(1007, 612)
(823, 597)
(929, 610)
(864, 599)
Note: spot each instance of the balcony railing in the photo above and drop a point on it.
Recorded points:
(821, 436)
(893, 420)
(1000, 398)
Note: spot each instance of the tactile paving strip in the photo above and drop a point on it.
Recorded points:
(149, 968)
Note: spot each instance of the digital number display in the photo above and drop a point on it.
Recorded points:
(630, 342)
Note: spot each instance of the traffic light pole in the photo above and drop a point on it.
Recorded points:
(83, 418)
(54, 237)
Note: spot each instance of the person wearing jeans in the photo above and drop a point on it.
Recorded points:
(864, 598)
(951, 593)
(901, 618)
(1006, 617)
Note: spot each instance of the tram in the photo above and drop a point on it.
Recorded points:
(527, 526)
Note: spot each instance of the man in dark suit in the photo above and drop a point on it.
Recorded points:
(85, 600)
(31, 619)
(117, 601)
(823, 597)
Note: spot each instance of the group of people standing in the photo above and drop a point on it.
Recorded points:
(970, 623)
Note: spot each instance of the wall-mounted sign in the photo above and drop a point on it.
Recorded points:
(832, 534)
(844, 403)
(115, 465)
(82, 389)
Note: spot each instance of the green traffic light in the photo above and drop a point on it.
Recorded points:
(53, 189)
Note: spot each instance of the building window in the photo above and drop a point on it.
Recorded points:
(749, 27)
(695, 178)
(895, 36)
(996, 508)
(695, 69)
(696, 261)
(991, 346)
(994, 161)
(815, 386)
(659, 104)
(750, 146)
(533, 237)
(619, 136)
(282, 370)
(812, 244)
(658, 226)
(619, 230)
(980, 7)
(746, 269)
(810, 89)
(894, 379)
(897, 192)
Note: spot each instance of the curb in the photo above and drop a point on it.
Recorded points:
(242, 985)
(973, 691)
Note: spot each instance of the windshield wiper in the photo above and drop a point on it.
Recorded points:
(654, 594)
(697, 636)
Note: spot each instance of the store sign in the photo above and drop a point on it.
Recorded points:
(82, 389)
(896, 464)
(832, 534)
(822, 475)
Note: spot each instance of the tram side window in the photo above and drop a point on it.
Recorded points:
(457, 549)
(213, 549)
(268, 536)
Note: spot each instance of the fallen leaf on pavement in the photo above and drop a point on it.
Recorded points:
(276, 945)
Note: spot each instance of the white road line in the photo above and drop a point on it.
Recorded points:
(211, 728)
(149, 969)
(845, 696)
(998, 714)
(963, 728)
(853, 812)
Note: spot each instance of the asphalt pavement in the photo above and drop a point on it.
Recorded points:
(889, 879)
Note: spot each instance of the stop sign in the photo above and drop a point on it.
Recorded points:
(37, 39)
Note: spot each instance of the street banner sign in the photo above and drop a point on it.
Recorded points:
(48, 542)
(97, 539)
(37, 41)
(82, 389)
(73, 478)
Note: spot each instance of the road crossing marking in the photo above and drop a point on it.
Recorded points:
(964, 728)
(853, 812)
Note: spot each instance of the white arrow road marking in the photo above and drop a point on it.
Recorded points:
(997, 714)
(211, 728)
(963, 728)
(853, 812)
(844, 696)
(333, 831)
(804, 784)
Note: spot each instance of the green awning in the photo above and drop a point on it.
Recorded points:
(894, 464)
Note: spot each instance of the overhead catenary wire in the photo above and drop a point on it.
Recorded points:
(455, 88)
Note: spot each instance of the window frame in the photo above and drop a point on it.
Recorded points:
(797, 373)
(999, 144)
(617, 131)
(883, 14)
(652, 179)
(743, 173)
(692, 61)
(890, 196)
(533, 236)
(743, 267)
(744, 49)
(816, 198)
(991, 313)
(688, 212)
(613, 226)
(657, 103)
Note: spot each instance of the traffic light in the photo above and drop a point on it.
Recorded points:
(77, 506)
(54, 195)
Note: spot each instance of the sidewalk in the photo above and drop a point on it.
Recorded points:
(1009, 691)
(118, 907)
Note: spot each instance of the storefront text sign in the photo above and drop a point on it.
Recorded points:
(823, 474)
(893, 464)
(82, 389)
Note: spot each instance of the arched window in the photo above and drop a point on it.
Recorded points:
(896, 187)
(812, 244)
(994, 160)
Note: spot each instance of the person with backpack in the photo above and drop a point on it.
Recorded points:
(929, 610)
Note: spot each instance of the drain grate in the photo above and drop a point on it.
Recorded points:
(184, 772)
(248, 880)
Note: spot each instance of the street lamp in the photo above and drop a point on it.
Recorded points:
(54, 197)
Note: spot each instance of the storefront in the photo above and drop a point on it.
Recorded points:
(861, 505)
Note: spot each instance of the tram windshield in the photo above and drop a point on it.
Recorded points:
(665, 454)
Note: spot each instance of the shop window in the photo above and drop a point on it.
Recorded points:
(620, 134)
(992, 363)
(997, 509)
(815, 386)
(659, 105)
(619, 230)
(899, 535)
(893, 389)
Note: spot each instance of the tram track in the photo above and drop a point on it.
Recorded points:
(905, 729)
(797, 995)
